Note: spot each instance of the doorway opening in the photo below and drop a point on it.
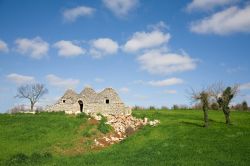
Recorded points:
(81, 105)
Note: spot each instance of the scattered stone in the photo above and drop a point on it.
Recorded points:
(124, 125)
(154, 122)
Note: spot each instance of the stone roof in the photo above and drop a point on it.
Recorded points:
(70, 94)
(89, 95)
(88, 92)
(108, 93)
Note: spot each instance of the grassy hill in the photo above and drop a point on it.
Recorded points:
(180, 139)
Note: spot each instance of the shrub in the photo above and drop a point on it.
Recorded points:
(22, 159)
(103, 127)
(17, 159)
(88, 132)
(83, 115)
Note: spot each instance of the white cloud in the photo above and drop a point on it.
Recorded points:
(60, 82)
(124, 90)
(35, 48)
(245, 86)
(143, 40)
(208, 4)
(99, 80)
(157, 62)
(3, 47)
(161, 25)
(228, 21)
(166, 82)
(103, 46)
(68, 49)
(72, 14)
(121, 7)
(170, 91)
(20, 79)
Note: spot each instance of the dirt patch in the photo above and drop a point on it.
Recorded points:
(93, 121)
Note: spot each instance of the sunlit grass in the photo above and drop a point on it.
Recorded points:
(180, 139)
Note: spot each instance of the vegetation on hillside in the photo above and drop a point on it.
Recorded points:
(180, 139)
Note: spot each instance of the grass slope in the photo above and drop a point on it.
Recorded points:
(180, 139)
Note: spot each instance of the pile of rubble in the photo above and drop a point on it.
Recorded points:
(124, 125)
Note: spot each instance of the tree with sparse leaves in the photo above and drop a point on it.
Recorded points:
(33, 92)
(224, 97)
(203, 98)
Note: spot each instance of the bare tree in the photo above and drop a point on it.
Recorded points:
(224, 96)
(33, 92)
(203, 97)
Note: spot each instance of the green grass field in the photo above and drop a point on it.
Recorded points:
(180, 139)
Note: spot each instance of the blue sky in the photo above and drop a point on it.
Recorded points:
(151, 52)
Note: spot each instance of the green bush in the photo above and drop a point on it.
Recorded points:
(83, 115)
(88, 132)
(23, 159)
(17, 159)
(103, 127)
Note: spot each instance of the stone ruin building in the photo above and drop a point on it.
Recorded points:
(88, 101)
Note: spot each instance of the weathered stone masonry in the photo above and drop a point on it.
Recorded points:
(88, 101)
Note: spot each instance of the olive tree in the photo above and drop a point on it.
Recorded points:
(32, 92)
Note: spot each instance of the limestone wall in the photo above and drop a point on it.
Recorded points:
(105, 102)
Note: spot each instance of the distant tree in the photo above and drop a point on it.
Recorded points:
(17, 109)
(164, 108)
(203, 98)
(33, 92)
(244, 106)
(175, 107)
(152, 108)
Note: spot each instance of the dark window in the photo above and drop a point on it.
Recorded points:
(64, 101)
(107, 101)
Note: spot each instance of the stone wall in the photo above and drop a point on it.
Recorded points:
(105, 102)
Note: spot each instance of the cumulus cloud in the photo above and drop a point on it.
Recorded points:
(124, 90)
(245, 86)
(166, 82)
(161, 25)
(121, 7)
(3, 47)
(157, 62)
(20, 79)
(62, 83)
(230, 20)
(102, 47)
(68, 49)
(35, 48)
(144, 40)
(208, 4)
(72, 14)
